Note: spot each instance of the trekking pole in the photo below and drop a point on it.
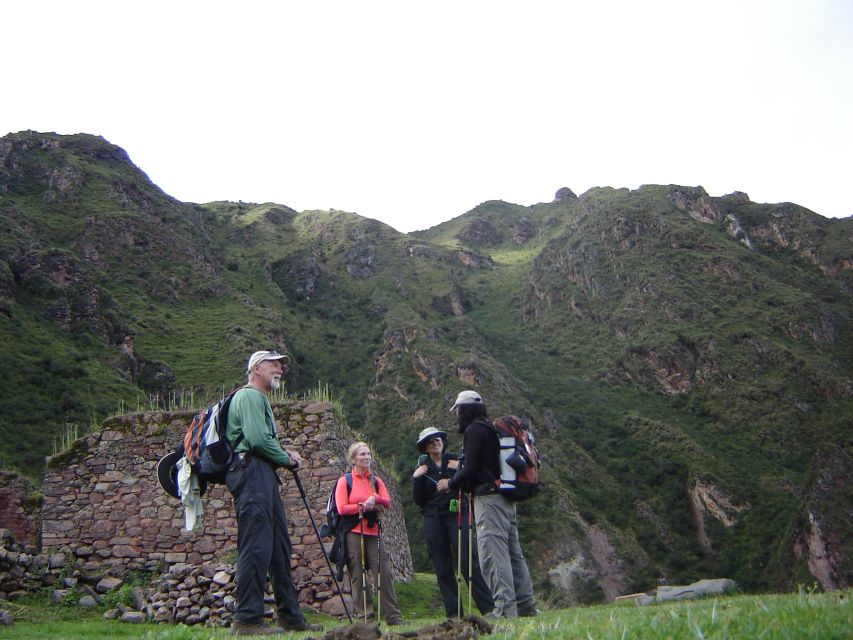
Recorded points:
(363, 561)
(459, 556)
(379, 574)
(322, 546)
(470, 538)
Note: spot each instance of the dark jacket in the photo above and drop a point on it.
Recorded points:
(481, 463)
(424, 493)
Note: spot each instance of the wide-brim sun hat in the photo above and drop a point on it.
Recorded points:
(428, 434)
(167, 474)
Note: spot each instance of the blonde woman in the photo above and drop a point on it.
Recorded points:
(360, 506)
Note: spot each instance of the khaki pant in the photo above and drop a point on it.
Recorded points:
(501, 558)
(388, 598)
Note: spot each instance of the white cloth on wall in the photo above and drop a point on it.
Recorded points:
(190, 492)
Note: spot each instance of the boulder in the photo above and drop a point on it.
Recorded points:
(87, 601)
(134, 617)
(108, 584)
(699, 589)
(702, 588)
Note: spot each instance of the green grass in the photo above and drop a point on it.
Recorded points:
(801, 615)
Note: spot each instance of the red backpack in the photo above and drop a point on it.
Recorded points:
(205, 443)
(520, 459)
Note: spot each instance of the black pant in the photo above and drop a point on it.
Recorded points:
(263, 543)
(442, 540)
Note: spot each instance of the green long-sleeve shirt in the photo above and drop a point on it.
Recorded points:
(251, 414)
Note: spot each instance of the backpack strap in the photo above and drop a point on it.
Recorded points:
(490, 487)
(223, 420)
(348, 477)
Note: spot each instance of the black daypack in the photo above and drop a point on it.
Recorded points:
(519, 457)
(205, 443)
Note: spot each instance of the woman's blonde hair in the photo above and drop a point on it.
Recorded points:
(353, 449)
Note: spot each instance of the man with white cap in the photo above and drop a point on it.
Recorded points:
(263, 543)
(501, 559)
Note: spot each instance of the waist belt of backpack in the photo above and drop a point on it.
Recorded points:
(484, 489)
(243, 458)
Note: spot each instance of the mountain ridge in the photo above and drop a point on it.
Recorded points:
(684, 359)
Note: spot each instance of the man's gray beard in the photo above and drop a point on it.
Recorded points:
(275, 384)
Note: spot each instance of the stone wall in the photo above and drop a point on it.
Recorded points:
(19, 508)
(102, 499)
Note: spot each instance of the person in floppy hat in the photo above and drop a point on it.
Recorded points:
(440, 523)
(501, 559)
(263, 543)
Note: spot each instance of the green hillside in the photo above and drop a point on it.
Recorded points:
(684, 360)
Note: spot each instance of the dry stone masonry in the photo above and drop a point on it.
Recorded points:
(104, 508)
(19, 508)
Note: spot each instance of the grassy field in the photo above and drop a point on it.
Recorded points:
(806, 614)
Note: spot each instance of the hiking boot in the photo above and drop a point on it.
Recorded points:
(300, 626)
(239, 628)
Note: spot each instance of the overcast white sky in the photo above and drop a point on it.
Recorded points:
(414, 112)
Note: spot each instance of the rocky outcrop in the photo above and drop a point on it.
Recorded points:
(584, 562)
(424, 251)
(480, 232)
(670, 371)
(791, 227)
(280, 215)
(696, 203)
(396, 344)
(611, 573)
(473, 261)
(706, 500)
(735, 230)
(450, 305)
(523, 231)
(469, 374)
(397, 349)
(156, 378)
(819, 539)
(736, 197)
(298, 274)
(564, 194)
(16, 170)
(69, 297)
(361, 259)
(426, 371)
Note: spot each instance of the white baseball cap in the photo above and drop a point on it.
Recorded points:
(260, 356)
(467, 397)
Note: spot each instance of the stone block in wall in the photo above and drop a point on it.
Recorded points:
(20, 506)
